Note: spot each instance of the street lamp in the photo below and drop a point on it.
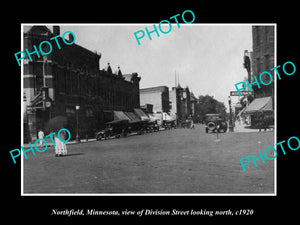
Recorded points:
(77, 107)
(230, 115)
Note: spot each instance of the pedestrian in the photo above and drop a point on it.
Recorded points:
(41, 135)
(60, 147)
(192, 124)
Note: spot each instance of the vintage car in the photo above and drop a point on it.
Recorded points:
(169, 124)
(115, 128)
(152, 126)
(138, 127)
(215, 123)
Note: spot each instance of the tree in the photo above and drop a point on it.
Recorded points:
(207, 104)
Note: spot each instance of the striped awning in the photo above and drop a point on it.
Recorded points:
(119, 115)
(260, 105)
(141, 114)
(133, 117)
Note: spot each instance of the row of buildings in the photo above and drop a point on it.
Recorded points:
(69, 82)
(177, 102)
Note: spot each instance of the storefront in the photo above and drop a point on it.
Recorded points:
(261, 112)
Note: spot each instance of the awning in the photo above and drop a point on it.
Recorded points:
(141, 114)
(152, 117)
(260, 105)
(167, 117)
(132, 116)
(119, 115)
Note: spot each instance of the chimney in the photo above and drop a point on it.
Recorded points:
(56, 30)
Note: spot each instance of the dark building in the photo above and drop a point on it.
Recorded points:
(68, 77)
(260, 112)
(180, 104)
(194, 108)
(263, 59)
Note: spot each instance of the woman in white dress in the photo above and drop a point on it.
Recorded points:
(41, 135)
(60, 147)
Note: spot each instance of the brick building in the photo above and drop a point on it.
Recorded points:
(262, 59)
(260, 111)
(68, 77)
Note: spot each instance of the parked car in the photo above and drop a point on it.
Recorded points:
(152, 126)
(138, 127)
(169, 124)
(116, 128)
(215, 123)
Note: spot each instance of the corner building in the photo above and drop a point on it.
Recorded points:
(263, 59)
(55, 84)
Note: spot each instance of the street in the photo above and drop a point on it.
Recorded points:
(182, 161)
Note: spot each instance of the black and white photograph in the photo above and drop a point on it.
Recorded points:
(157, 114)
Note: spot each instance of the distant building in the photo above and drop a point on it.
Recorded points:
(55, 84)
(156, 96)
(180, 104)
(194, 109)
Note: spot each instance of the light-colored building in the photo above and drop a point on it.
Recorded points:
(156, 96)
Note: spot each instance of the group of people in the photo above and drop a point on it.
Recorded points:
(60, 147)
(188, 123)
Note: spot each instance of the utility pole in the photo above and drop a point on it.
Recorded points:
(230, 115)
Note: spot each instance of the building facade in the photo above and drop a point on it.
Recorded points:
(68, 77)
(194, 108)
(262, 59)
(180, 104)
(257, 110)
(156, 96)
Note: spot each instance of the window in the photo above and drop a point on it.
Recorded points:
(256, 36)
(89, 112)
(266, 35)
(61, 80)
(267, 63)
(75, 83)
(38, 73)
(258, 67)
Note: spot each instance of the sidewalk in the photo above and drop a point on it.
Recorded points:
(49, 142)
(240, 127)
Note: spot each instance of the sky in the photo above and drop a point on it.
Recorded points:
(208, 58)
